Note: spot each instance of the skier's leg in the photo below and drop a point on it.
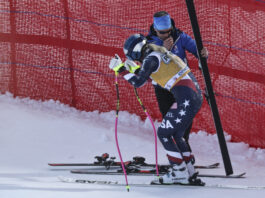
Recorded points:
(164, 134)
(178, 173)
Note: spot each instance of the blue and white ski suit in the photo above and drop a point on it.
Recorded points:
(188, 100)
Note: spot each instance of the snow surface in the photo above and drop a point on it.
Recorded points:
(33, 133)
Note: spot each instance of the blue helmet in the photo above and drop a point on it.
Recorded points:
(133, 46)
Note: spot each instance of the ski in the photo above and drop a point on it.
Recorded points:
(118, 183)
(210, 166)
(103, 161)
(128, 163)
(240, 175)
(139, 172)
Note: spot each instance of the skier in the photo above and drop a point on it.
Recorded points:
(163, 32)
(171, 73)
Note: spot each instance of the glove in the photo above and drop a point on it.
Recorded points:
(131, 66)
(116, 63)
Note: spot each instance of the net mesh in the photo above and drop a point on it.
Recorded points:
(60, 49)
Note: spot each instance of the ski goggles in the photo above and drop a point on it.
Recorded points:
(165, 32)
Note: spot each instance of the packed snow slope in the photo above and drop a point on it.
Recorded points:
(34, 133)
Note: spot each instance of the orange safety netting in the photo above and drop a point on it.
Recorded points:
(61, 50)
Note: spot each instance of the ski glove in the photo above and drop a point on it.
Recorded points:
(116, 63)
(131, 66)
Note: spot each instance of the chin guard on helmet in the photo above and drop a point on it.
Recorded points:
(133, 46)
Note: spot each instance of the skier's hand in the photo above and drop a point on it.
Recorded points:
(116, 63)
(131, 66)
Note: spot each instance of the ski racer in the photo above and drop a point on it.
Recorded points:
(172, 74)
(164, 33)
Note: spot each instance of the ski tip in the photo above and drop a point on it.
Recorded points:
(56, 164)
(66, 179)
(52, 164)
(242, 174)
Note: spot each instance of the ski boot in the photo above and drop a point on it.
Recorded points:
(193, 180)
(178, 174)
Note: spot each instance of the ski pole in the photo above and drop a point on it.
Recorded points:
(149, 117)
(116, 127)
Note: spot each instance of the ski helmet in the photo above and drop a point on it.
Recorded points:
(133, 46)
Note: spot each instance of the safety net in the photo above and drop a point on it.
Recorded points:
(60, 50)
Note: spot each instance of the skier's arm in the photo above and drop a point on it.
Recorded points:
(149, 65)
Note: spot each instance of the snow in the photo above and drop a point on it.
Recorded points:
(34, 133)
